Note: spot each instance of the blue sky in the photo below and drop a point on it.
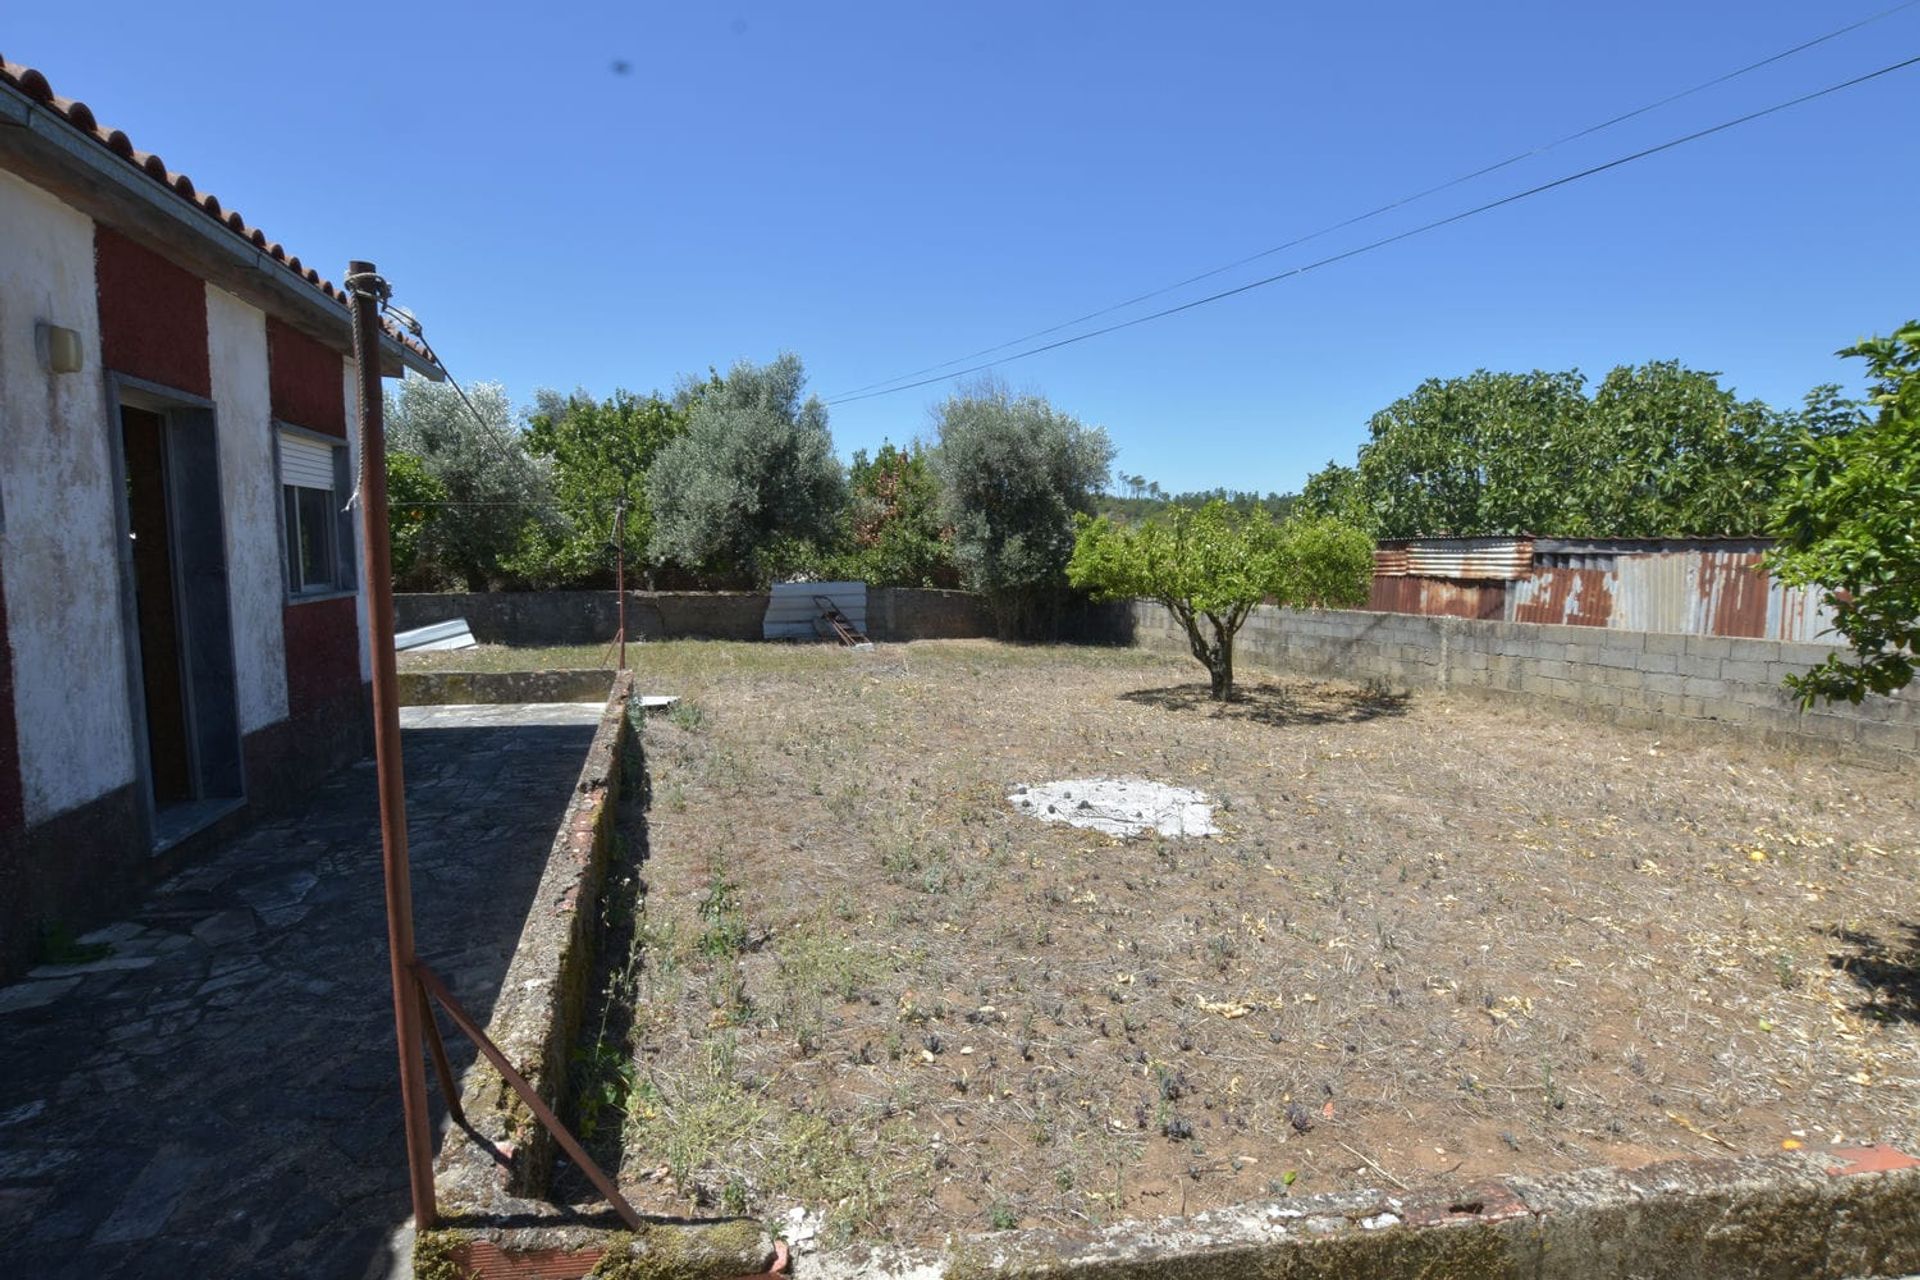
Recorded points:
(881, 186)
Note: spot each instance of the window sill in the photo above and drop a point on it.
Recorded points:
(315, 597)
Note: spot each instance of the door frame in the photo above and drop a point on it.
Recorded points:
(172, 404)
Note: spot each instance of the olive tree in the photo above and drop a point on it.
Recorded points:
(1013, 473)
(1848, 521)
(753, 469)
(1212, 565)
(488, 495)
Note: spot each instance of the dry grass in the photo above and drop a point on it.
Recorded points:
(1437, 937)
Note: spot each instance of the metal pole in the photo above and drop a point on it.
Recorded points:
(620, 573)
(369, 291)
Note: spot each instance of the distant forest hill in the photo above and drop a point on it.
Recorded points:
(1138, 498)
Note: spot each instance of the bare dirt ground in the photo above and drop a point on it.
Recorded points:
(1436, 938)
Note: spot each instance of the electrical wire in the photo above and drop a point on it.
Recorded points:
(516, 457)
(1390, 206)
(1384, 241)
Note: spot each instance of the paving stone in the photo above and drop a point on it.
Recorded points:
(152, 1197)
(34, 995)
(226, 927)
(113, 934)
(282, 901)
(22, 1113)
(106, 964)
(28, 1163)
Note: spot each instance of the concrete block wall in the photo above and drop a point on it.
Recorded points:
(1640, 678)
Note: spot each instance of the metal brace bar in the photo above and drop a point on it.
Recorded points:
(542, 1112)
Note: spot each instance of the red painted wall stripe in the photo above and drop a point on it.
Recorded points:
(153, 315)
(323, 652)
(308, 380)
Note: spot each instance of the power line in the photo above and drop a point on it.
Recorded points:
(1390, 206)
(1397, 236)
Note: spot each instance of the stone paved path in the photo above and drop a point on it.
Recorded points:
(217, 1097)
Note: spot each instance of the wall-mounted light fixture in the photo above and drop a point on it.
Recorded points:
(60, 349)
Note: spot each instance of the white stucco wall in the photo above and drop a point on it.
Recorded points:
(250, 502)
(59, 551)
(350, 370)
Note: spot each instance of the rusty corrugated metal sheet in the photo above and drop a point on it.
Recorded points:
(1482, 559)
(1390, 562)
(1578, 597)
(1693, 592)
(1438, 597)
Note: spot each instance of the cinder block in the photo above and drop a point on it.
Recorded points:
(1709, 646)
(1708, 688)
(1755, 650)
(1664, 684)
(1620, 655)
(1660, 642)
(1698, 667)
(1619, 677)
(1659, 662)
(1744, 671)
(1889, 737)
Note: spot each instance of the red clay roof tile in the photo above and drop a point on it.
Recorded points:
(79, 115)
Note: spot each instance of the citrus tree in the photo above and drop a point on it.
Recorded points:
(1848, 521)
(1211, 565)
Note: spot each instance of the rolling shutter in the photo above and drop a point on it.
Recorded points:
(305, 463)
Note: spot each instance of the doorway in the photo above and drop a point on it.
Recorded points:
(181, 670)
(155, 607)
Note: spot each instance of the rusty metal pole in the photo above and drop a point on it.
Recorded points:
(369, 291)
(620, 573)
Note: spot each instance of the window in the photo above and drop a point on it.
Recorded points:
(319, 533)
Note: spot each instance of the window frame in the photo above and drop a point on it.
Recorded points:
(340, 540)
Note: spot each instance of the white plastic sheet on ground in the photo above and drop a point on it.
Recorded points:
(1118, 806)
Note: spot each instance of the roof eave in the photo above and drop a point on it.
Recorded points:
(49, 152)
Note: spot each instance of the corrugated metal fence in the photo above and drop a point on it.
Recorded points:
(1708, 587)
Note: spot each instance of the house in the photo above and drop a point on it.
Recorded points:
(182, 631)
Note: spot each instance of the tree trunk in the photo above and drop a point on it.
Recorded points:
(1217, 657)
(1221, 668)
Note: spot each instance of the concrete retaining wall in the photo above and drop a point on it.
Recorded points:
(440, 688)
(591, 617)
(1632, 677)
(537, 1011)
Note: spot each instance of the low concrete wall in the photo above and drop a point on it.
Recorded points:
(591, 617)
(541, 997)
(1632, 677)
(439, 688)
